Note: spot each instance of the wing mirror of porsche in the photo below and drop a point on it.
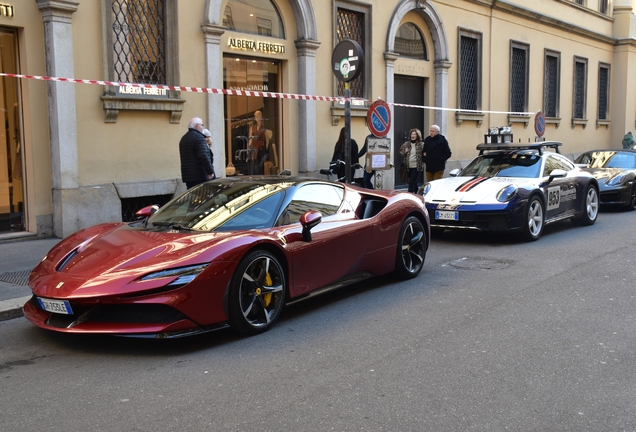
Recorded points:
(454, 173)
(308, 220)
(557, 173)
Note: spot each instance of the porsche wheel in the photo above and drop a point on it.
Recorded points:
(257, 293)
(631, 205)
(535, 218)
(590, 207)
(411, 249)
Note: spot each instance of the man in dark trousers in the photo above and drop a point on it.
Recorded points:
(436, 153)
(196, 163)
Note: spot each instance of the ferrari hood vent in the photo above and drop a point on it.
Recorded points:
(67, 259)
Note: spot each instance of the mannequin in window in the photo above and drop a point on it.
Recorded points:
(256, 139)
(270, 155)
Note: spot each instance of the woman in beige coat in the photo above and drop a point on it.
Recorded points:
(411, 151)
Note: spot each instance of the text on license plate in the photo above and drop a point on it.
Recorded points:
(56, 306)
(446, 215)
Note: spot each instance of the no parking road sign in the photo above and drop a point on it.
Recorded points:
(539, 124)
(379, 118)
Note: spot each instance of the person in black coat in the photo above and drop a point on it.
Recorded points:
(195, 155)
(436, 153)
(339, 154)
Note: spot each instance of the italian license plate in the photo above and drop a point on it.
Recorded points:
(56, 306)
(446, 215)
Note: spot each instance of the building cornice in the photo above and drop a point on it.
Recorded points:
(504, 6)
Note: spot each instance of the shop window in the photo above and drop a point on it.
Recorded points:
(260, 17)
(141, 50)
(551, 84)
(409, 42)
(580, 92)
(469, 80)
(252, 125)
(12, 174)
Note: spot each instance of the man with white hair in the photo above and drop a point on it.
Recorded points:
(436, 153)
(195, 155)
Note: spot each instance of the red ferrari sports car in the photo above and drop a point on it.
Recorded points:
(231, 252)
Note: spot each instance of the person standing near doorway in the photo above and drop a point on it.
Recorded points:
(436, 153)
(195, 155)
(411, 151)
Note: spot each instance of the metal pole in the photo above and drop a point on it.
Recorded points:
(347, 149)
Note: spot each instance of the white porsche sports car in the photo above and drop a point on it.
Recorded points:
(513, 187)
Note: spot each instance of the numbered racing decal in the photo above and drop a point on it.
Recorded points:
(556, 196)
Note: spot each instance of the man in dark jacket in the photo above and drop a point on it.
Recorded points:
(196, 163)
(436, 153)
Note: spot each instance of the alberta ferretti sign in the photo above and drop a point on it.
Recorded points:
(252, 45)
(6, 10)
(141, 91)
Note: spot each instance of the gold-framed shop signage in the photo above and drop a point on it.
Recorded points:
(256, 46)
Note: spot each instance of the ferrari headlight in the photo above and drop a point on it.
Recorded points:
(427, 188)
(617, 179)
(507, 193)
(185, 274)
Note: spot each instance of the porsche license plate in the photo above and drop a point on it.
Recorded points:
(56, 306)
(446, 215)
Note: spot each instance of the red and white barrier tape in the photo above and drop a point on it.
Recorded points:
(274, 95)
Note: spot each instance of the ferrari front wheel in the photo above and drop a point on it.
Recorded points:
(257, 293)
(411, 250)
(535, 218)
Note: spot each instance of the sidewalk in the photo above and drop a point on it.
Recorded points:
(17, 259)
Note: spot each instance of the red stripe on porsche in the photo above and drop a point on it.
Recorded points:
(465, 187)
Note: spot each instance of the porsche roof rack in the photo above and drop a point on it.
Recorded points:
(539, 146)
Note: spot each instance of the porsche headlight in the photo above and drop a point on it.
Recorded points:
(427, 188)
(185, 274)
(617, 179)
(507, 193)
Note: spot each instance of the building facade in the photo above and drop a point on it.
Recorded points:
(79, 153)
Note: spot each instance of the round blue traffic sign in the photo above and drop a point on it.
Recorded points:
(539, 124)
(379, 118)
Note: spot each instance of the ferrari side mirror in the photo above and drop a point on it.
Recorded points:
(308, 220)
(147, 211)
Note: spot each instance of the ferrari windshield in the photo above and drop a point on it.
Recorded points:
(210, 206)
(608, 159)
(524, 163)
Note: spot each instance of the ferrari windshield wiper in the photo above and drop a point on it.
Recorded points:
(184, 228)
(173, 225)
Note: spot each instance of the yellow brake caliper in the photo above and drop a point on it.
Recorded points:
(267, 298)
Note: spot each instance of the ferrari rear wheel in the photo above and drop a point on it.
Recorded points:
(411, 249)
(535, 218)
(257, 293)
(590, 207)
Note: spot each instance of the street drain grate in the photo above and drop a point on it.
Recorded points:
(16, 278)
(472, 263)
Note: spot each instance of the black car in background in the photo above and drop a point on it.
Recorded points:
(615, 171)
